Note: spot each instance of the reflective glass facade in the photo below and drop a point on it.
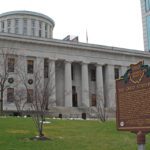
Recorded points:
(148, 31)
(147, 5)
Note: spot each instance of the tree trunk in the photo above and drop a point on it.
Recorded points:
(1, 104)
(41, 128)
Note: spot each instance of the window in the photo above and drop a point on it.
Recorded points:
(45, 68)
(93, 99)
(93, 75)
(25, 26)
(2, 26)
(46, 32)
(147, 5)
(32, 32)
(16, 31)
(30, 66)
(9, 25)
(33, 23)
(11, 64)
(72, 72)
(116, 73)
(74, 97)
(10, 94)
(40, 29)
(25, 31)
(16, 26)
(73, 89)
(29, 95)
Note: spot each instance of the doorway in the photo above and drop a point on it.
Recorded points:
(74, 97)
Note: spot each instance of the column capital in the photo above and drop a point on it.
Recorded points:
(124, 66)
(51, 59)
(110, 65)
(67, 61)
(98, 64)
(84, 63)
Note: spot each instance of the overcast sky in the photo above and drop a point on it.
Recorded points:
(108, 22)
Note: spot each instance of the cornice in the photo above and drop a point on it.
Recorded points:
(74, 45)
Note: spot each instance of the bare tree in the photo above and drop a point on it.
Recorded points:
(7, 66)
(98, 110)
(20, 102)
(39, 92)
(100, 106)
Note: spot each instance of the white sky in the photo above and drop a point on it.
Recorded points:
(108, 22)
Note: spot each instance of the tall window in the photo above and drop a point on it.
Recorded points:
(74, 97)
(29, 95)
(40, 29)
(116, 70)
(147, 5)
(93, 75)
(33, 27)
(10, 94)
(2, 26)
(46, 32)
(46, 68)
(9, 25)
(30, 66)
(16, 26)
(72, 72)
(25, 26)
(11, 64)
(93, 99)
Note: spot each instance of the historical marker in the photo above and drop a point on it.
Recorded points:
(133, 99)
(133, 102)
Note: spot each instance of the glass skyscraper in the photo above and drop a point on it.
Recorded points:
(145, 8)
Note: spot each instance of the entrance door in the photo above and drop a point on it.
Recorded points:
(74, 97)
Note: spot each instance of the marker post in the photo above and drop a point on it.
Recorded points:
(141, 140)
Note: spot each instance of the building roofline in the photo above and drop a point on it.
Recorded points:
(75, 45)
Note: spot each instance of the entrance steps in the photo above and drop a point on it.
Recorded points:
(68, 112)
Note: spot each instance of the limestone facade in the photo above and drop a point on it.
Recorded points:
(80, 71)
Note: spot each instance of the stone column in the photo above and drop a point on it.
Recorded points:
(68, 85)
(20, 26)
(51, 32)
(39, 68)
(5, 26)
(99, 84)
(85, 85)
(38, 75)
(37, 28)
(29, 27)
(48, 31)
(43, 30)
(52, 83)
(12, 26)
(110, 87)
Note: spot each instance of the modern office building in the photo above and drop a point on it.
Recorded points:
(145, 9)
(81, 71)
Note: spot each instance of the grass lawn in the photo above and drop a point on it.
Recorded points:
(65, 135)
